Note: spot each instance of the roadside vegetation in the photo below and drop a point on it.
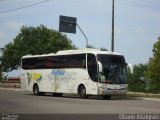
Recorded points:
(146, 77)
(0, 74)
(142, 94)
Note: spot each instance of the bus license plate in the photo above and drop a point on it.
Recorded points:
(115, 92)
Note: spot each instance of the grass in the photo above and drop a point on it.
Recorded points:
(140, 94)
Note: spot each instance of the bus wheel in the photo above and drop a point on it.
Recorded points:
(82, 91)
(36, 89)
(106, 97)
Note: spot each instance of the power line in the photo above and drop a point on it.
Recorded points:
(6, 11)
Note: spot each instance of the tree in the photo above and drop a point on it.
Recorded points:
(33, 40)
(91, 46)
(0, 74)
(153, 73)
(1, 53)
(103, 49)
(137, 81)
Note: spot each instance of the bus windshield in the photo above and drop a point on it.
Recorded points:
(114, 69)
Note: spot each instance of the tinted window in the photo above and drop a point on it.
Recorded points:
(53, 62)
(29, 63)
(114, 69)
(111, 59)
(92, 67)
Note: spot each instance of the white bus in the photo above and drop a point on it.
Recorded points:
(84, 72)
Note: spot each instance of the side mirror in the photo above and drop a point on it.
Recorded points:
(130, 67)
(100, 68)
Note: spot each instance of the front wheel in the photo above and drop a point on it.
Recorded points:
(82, 92)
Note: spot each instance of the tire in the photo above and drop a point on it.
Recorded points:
(82, 92)
(36, 90)
(106, 97)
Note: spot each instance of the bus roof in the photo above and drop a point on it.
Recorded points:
(85, 50)
(78, 51)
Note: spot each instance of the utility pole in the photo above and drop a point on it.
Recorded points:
(112, 46)
(83, 35)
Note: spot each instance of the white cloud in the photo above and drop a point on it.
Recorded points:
(14, 25)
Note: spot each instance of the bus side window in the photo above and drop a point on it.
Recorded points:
(29, 63)
(49, 62)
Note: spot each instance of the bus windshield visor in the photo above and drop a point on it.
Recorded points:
(114, 69)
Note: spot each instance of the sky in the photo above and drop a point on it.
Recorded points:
(137, 23)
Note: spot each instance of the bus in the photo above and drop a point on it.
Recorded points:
(84, 72)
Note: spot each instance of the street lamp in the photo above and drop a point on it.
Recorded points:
(112, 45)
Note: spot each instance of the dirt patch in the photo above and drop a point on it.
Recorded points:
(10, 85)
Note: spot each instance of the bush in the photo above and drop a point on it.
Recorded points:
(136, 80)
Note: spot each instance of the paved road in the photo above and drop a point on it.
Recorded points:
(20, 102)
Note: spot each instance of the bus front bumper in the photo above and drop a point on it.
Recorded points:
(112, 92)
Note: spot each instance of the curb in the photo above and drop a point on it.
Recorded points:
(143, 98)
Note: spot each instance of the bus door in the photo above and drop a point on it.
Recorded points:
(93, 71)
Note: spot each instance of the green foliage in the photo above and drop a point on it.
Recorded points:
(91, 46)
(33, 40)
(0, 74)
(103, 49)
(137, 81)
(153, 73)
(149, 72)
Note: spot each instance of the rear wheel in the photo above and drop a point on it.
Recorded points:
(82, 91)
(36, 90)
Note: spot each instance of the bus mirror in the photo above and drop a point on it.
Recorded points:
(100, 67)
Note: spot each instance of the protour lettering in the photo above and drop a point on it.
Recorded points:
(58, 72)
